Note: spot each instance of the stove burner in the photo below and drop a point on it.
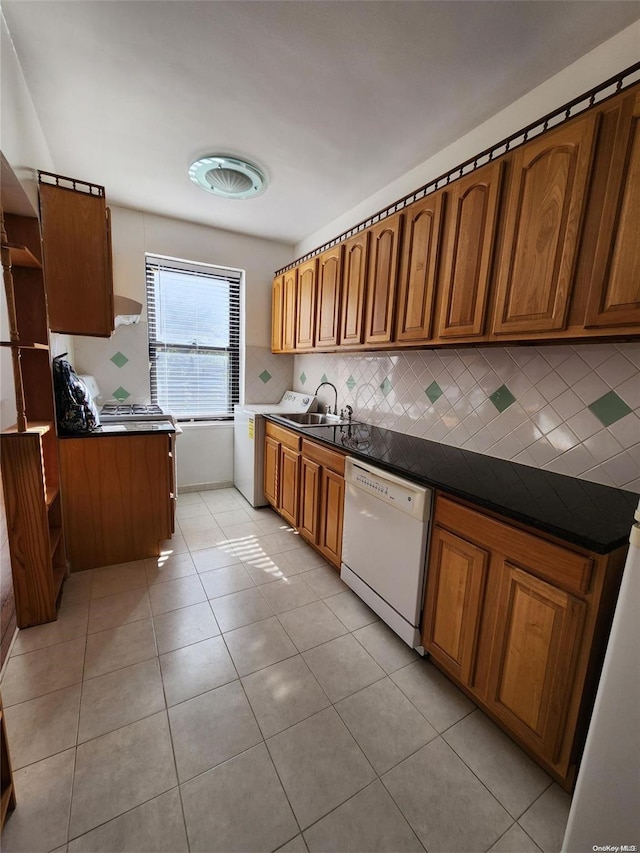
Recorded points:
(114, 412)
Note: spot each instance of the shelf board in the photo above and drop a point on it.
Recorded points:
(59, 573)
(22, 257)
(23, 345)
(51, 493)
(32, 426)
(55, 534)
(5, 801)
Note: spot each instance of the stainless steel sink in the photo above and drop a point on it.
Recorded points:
(314, 419)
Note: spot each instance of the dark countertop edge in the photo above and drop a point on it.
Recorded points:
(141, 429)
(314, 434)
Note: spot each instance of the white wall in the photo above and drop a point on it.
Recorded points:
(205, 456)
(135, 233)
(608, 59)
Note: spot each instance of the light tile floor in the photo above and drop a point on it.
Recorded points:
(234, 695)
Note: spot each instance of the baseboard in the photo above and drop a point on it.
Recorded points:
(204, 487)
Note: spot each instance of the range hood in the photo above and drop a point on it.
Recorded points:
(126, 311)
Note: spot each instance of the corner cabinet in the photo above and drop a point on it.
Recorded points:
(520, 622)
(28, 451)
(77, 256)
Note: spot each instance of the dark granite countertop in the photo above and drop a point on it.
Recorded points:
(112, 430)
(588, 514)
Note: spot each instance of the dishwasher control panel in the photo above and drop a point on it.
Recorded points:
(401, 494)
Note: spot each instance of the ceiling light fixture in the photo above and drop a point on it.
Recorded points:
(227, 177)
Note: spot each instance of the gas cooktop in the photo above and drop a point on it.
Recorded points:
(131, 412)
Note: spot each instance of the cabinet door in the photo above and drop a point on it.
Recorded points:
(471, 227)
(328, 309)
(353, 290)
(331, 515)
(271, 470)
(419, 268)
(309, 499)
(535, 647)
(306, 310)
(614, 292)
(456, 582)
(277, 294)
(542, 231)
(289, 482)
(77, 261)
(382, 278)
(289, 310)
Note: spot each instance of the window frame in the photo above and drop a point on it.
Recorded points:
(235, 280)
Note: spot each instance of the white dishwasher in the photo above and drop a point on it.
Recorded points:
(384, 545)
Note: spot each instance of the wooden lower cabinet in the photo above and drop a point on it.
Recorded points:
(304, 482)
(117, 500)
(520, 621)
(457, 579)
(282, 471)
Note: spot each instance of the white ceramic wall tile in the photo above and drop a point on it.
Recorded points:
(548, 425)
(129, 346)
(266, 376)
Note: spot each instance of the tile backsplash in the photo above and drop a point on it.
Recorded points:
(570, 409)
(120, 365)
(266, 376)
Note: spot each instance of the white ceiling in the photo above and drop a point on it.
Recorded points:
(332, 99)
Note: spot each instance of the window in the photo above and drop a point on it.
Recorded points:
(194, 337)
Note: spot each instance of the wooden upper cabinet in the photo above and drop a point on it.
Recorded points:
(419, 268)
(548, 191)
(328, 297)
(472, 216)
(354, 283)
(77, 261)
(277, 294)
(306, 310)
(382, 277)
(614, 291)
(535, 649)
(289, 299)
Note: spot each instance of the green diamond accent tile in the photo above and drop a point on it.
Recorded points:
(433, 392)
(386, 386)
(350, 383)
(609, 408)
(502, 398)
(324, 378)
(119, 359)
(303, 377)
(121, 394)
(265, 376)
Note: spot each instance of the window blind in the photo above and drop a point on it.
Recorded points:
(194, 337)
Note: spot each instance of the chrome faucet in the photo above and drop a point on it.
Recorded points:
(335, 391)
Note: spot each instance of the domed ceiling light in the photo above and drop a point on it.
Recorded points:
(227, 177)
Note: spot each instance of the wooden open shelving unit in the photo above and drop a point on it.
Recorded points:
(29, 450)
(7, 790)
